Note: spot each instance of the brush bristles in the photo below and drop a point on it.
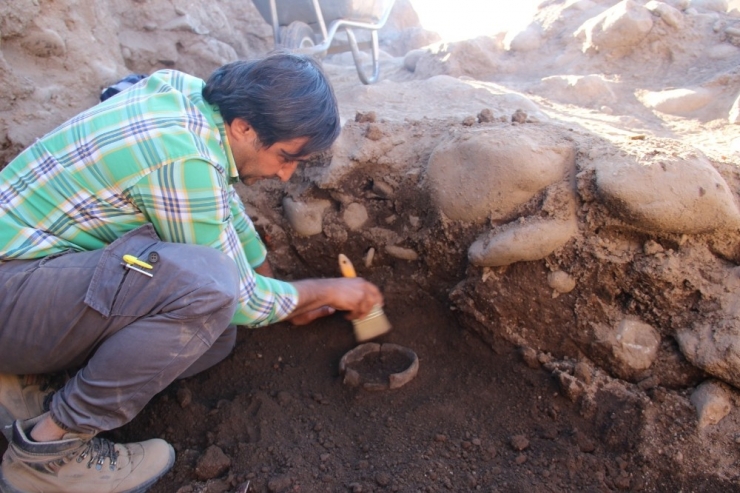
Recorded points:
(372, 325)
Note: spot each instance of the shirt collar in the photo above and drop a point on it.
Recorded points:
(231, 172)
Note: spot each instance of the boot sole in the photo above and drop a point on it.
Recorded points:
(6, 487)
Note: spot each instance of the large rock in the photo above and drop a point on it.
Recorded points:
(616, 30)
(712, 402)
(472, 57)
(524, 40)
(710, 5)
(523, 240)
(714, 347)
(420, 99)
(674, 191)
(670, 15)
(680, 102)
(584, 90)
(44, 43)
(306, 217)
(487, 174)
(628, 348)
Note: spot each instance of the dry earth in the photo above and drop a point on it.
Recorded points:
(552, 214)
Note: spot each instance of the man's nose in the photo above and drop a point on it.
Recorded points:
(287, 171)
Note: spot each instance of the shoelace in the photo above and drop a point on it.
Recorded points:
(100, 449)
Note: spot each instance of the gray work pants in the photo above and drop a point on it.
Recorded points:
(130, 334)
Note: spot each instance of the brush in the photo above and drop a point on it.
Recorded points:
(374, 323)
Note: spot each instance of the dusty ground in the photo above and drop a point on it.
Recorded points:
(474, 419)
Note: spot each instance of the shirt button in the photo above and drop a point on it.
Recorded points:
(153, 257)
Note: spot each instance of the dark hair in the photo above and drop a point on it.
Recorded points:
(282, 96)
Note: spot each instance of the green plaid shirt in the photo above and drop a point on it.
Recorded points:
(156, 153)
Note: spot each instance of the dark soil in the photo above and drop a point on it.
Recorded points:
(275, 413)
(474, 418)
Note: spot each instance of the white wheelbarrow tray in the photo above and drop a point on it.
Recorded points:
(292, 22)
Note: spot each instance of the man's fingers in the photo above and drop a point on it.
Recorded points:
(308, 317)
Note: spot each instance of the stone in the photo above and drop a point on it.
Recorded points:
(572, 388)
(617, 30)
(382, 189)
(524, 40)
(279, 484)
(486, 116)
(712, 402)
(44, 44)
(561, 281)
(355, 216)
(585, 90)
(306, 218)
(710, 5)
(670, 15)
(529, 355)
(486, 174)
(412, 58)
(680, 102)
(523, 240)
(713, 347)
(212, 464)
(519, 442)
(401, 253)
(636, 344)
(583, 372)
(674, 192)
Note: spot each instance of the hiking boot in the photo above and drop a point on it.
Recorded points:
(81, 463)
(21, 397)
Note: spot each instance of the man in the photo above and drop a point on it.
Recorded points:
(125, 254)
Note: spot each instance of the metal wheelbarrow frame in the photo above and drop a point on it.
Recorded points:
(297, 37)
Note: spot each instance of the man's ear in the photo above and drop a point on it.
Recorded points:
(242, 130)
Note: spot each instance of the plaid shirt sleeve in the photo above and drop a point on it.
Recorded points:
(189, 202)
(252, 244)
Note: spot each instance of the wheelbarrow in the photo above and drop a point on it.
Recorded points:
(311, 26)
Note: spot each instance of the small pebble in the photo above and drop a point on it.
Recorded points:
(519, 442)
(519, 116)
(184, 397)
(368, 117)
(383, 478)
(486, 116)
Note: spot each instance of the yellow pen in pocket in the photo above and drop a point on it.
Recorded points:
(132, 260)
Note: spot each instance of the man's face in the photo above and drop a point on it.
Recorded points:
(255, 162)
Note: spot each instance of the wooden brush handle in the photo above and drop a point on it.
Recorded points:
(348, 270)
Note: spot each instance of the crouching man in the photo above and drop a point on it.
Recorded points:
(126, 256)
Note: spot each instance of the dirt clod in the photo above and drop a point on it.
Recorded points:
(519, 442)
(212, 463)
(278, 484)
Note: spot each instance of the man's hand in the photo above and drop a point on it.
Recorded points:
(322, 297)
(351, 294)
(308, 317)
